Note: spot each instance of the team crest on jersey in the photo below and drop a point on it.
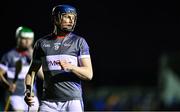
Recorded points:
(56, 47)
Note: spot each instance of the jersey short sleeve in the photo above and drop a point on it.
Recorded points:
(37, 53)
(4, 62)
(84, 49)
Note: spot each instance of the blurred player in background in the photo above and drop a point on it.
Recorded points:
(169, 80)
(17, 59)
(65, 60)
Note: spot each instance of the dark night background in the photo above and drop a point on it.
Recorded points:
(126, 37)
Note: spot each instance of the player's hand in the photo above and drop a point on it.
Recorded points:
(29, 99)
(12, 87)
(66, 66)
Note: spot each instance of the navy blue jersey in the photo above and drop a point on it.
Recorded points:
(59, 84)
(8, 62)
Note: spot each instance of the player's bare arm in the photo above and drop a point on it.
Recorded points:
(84, 71)
(40, 73)
(36, 69)
(3, 79)
(33, 68)
(28, 98)
(11, 87)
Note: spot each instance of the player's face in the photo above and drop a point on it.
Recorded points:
(25, 42)
(67, 21)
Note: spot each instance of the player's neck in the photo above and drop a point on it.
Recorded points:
(61, 34)
(21, 51)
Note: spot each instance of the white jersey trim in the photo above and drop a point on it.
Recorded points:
(5, 68)
(21, 75)
(84, 56)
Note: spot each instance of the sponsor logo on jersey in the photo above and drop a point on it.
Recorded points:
(52, 62)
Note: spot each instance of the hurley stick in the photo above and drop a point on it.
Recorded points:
(32, 82)
(18, 68)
